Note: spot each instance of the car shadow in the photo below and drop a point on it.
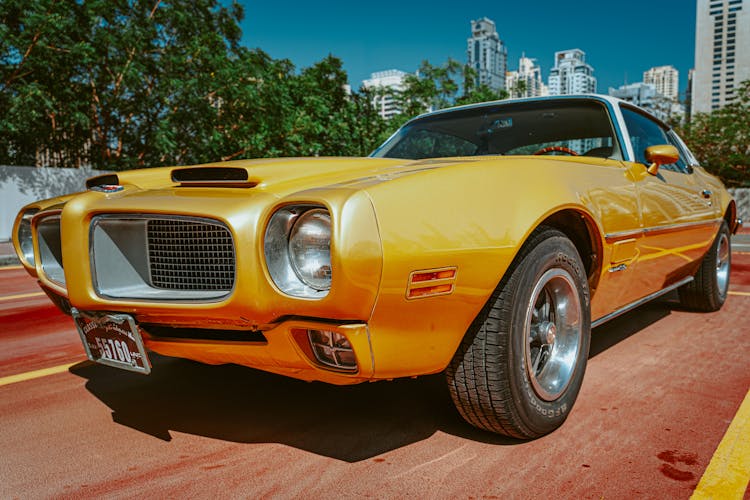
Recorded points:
(348, 423)
(622, 327)
(239, 404)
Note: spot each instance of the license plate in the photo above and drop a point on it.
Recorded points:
(112, 340)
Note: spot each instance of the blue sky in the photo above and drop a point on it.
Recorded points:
(621, 39)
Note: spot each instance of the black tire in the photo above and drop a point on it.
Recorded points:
(490, 375)
(708, 290)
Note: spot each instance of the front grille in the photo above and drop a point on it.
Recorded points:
(190, 255)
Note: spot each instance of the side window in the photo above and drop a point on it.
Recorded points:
(645, 132)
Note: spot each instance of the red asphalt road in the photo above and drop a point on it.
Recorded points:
(661, 388)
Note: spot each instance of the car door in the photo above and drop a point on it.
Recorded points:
(679, 217)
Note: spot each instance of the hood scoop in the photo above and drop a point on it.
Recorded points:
(102, 180)
(213, 177)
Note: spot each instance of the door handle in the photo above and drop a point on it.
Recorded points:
(706, 193)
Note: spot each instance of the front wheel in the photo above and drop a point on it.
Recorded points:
(521, 363)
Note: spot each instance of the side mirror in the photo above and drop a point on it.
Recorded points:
(663, 154)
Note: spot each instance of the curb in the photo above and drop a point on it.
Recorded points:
(741, 242)
(9, 260)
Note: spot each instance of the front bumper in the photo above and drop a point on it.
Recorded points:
(280, 350)
(252, 305)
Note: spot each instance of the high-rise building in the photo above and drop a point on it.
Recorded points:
(689, 94)
(387, 85)
(487, 54)
(571, 74)
(527, 81)
(666, 80)
(649, 98)
(722, 52)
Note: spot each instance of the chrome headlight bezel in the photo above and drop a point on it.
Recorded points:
(286, 250)
(49, 244)
(25, 237)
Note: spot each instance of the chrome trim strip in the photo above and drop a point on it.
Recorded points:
(40, 263)
(372, 352)
(640, 302)
(658, 229)
(624, 234)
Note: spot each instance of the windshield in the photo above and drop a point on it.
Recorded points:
(569, 127)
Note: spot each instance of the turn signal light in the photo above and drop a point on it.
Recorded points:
(430, 290)
(431, 282)
(433, 275)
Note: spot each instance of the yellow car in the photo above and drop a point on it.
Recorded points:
(482, 241)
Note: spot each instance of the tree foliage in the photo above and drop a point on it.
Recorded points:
(721, 140)
(119, 84)
(129, 83)
(437, 87)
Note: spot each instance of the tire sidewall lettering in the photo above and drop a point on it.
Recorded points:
(547, 414)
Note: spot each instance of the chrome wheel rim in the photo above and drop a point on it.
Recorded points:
(722, 264)
(552, 333)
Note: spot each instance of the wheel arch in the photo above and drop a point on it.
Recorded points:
(730, 215)
(581, 229)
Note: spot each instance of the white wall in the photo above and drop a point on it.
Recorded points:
(22, 185)
(742, 197)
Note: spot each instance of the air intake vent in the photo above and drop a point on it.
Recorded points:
(213, 176)
(102, 180)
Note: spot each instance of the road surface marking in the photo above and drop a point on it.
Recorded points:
(25, 296)
(728, 473)
(21, 377)
(744, 294)
(10, 268)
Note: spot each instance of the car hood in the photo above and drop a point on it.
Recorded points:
(279, 176)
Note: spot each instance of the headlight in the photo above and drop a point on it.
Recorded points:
(310, 249)
(24, 236)
(297, 248)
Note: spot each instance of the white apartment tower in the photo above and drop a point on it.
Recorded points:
(571, 74)
(388, 83)
(666, 80)
(487, 54)
(648, 97)
(527, 81)
(722, 52)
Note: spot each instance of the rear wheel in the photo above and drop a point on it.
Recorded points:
(520, 366)
(708, 290)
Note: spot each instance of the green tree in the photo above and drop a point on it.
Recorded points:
(519, 89)
(475, 92)
(437, 87)
(105, 82)
(368, 129)
(132, 83)
(721, 140)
